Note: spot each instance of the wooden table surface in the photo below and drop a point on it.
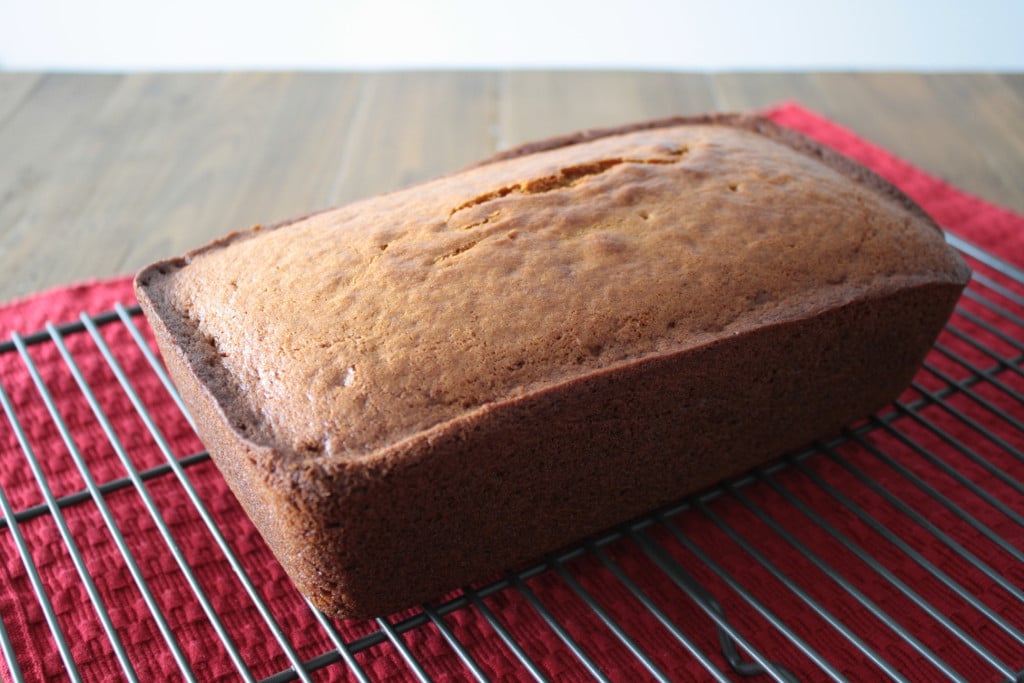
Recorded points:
(101, 174)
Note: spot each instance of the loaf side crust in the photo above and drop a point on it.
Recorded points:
(499, 487)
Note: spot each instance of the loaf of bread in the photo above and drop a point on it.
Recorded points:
(420, 389)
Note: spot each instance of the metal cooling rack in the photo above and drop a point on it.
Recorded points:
(734, 630)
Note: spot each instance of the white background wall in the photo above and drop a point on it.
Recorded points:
(658, 34)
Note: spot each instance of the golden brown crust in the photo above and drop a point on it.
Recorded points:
(758, 124)
(654, 240)
(622, 367)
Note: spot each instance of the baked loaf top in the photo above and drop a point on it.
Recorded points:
(342, 333)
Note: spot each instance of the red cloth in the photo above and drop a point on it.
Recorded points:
(994, 228)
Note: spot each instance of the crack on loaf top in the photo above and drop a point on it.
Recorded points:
(567, 177)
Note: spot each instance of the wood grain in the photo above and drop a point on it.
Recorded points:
(991, 122)
(100, 174)
(50, 154)
(747, 92)
(1014, 82)
(410, 127)
(14, 90)
(537, 105)
(264, 148)
(931, 127)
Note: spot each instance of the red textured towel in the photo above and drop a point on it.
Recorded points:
(989, 226)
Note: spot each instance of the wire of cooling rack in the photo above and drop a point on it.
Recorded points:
(915, 511)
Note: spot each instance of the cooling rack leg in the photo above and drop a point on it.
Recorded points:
(697, 592)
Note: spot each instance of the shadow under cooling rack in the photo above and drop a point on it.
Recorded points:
(894, 550)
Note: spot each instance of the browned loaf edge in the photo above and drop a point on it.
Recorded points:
(510, 481)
